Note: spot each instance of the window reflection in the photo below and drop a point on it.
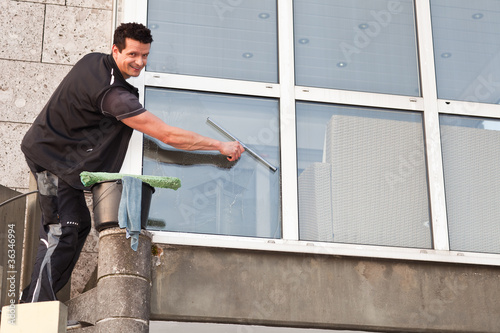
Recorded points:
(224, 39)
(472, 182)
(217, 197)
(360, 45)
(467, 49)
(362, 176)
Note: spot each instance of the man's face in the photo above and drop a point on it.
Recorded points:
(132, 59)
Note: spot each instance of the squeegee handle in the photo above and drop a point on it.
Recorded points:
(249, 150)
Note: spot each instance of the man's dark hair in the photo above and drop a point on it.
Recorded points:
(134, 31)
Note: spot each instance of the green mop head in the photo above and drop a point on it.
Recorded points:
(90, 178)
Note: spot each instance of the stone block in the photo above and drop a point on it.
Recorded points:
(42, 317)
(116, 256)
(22, 37)
(72, 32)
(14, 171)
(123, 297)
(26, 87)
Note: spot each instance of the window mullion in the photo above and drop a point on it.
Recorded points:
(135, 11)
(431, 126)
(290, 214)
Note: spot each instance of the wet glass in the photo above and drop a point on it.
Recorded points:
(217, 196)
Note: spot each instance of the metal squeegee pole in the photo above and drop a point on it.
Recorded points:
(249, 150)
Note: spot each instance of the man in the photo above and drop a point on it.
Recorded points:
(86, 126)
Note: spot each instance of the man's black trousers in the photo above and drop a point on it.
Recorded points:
(64, 227)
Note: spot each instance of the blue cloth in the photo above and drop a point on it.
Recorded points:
(129, 211)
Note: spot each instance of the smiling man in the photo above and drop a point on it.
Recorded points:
(86, 126)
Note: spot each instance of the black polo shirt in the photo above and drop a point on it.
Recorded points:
(79, 129)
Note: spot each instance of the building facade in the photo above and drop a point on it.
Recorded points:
(380, 117)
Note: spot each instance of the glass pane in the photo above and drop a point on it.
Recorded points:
(362, 176)
(362, 45)
(224, 39)
(216, 196)
(466, 49)
(472, 182)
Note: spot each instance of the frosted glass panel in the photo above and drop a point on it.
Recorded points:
(362, 176)
(467, 49)
(361, 45)
(216, 196)
(224, 39)
(471, 157)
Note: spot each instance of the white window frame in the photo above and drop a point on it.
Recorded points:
(288, 94)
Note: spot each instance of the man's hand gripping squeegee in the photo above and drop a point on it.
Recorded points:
(250, 151)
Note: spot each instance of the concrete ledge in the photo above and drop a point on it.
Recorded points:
(319, 291)
(42, 317)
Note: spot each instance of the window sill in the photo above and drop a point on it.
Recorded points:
(335, 249)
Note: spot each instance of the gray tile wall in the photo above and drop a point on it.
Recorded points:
(40, 42)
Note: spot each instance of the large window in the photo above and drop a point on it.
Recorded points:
(381, 117)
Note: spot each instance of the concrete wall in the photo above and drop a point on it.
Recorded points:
(40, 41)
(235, 286)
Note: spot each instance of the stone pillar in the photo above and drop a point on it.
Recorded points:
(123, 283)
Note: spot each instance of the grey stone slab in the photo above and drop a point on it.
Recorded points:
(23, 24)
(25, 87)
(72, 32)
(14, 171)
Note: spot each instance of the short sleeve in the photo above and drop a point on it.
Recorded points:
(121, 104)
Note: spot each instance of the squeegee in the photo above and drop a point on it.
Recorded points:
(249, 150)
